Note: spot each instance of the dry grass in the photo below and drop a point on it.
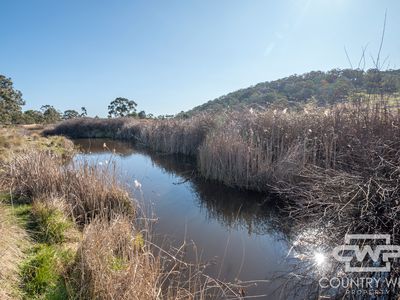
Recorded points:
(170, 136)
(13, 242)
(255, 150)
(88, 190)
(112, 264)
(16, 139)
(115, 261)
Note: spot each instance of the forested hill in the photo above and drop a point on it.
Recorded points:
(322, 87)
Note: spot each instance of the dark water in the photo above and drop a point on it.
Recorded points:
(242, 232)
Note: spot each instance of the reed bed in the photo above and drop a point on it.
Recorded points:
(169, 136)
(254, 150)
(319, 156)
(173, 136)
(251, 149)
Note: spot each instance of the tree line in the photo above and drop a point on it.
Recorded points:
(11, 103)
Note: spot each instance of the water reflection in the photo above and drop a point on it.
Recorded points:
(94, 146)
(233, 208)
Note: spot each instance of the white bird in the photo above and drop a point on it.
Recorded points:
(137, 184)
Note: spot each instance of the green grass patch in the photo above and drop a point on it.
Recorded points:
(117, 263)
(52, 225)
(42, 272)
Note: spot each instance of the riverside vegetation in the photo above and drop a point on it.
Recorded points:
(279, 150)
(76, 230)
(70, 230)
(333, 168)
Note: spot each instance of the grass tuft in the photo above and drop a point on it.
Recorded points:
(42, 271)
(52, 224)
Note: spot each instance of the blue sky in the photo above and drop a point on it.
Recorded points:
(171, 55)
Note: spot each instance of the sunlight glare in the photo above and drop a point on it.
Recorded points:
(319, 258)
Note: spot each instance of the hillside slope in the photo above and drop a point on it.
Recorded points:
(323, 87)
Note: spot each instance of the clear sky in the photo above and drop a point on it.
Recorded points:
(172, 55)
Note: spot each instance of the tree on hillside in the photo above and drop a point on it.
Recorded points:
(83, 111)
(50, 114)
(10, 101)
(71, 114)
(121, 107)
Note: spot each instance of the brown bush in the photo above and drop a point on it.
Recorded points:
(112, 264)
